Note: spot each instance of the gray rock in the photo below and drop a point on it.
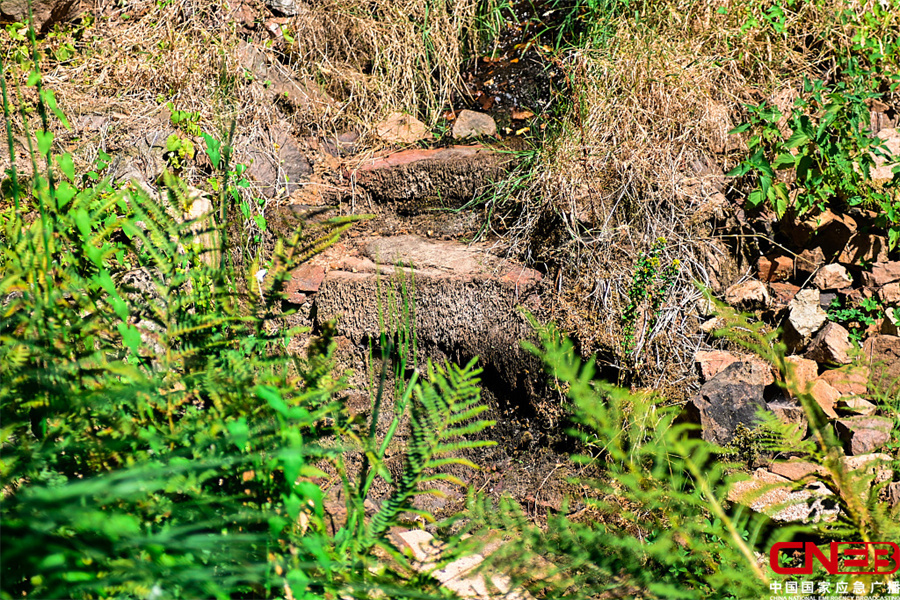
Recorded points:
(806, 317)
(288, 8)
(473, 124)
(282, 171)
(731, 398)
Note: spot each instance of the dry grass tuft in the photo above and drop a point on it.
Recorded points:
(642, 152)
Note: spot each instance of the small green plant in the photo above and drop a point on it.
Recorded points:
(179, 151)
(829, 155)
(650, 283)
(188, 122)
(856, 317)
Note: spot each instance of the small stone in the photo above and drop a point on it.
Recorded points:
(825, 396)
(877, 464)
(748, 295)
(848, 381)
(401, 128)
(803, 372)
(711, 363)
(856, 405)
(708, 327)
(890, 293)
(890, 325)
(832, 277)
(831, 346)
(862, 435)
(473, 124)
(836, 235)
(809, 260)
(883, 273)
(806, 317)
(775, 268)
(883, 171)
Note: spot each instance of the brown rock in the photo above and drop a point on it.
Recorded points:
(863, 248)
(790, 413)
(877, 465)
(831, 346)
(747, 295)
(711, 363)
(883, 352)
(862, 435)
(305, 279)
(45, 12)
(465, 306)
(809, 260)
(775, 268)
(282, 171)
(796, 470)
(783, 293)
(803, 372)
(832, 277)
(883, 169)
(401, 128)
(883, 273)
(825, 396)
(835, 236)
(893, 494)
(473, 124)
(800, 229)
(455, 174)
(776, 497)
(890, 293)
(847, 381)
(890, 325)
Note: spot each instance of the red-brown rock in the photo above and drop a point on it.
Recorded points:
(456, 173)
(712, 362)
(783, 293)
(825, 396)
(890, 293)
(804, 371)
(847, 381)
(863, 248)
(305, 279)
(809, 260)
(775, 268)
(883, 352)
(748, 295)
